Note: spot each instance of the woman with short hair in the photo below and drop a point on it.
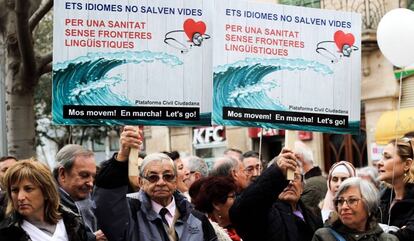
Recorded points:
(33, 210)
(338, 173)
(214, 196)
(356, 203)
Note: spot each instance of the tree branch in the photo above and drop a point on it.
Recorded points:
(39, 14)
(45, 135)
(45, 69)
(44, 63)
(24, 38)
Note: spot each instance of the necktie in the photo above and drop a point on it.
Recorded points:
(162, 212)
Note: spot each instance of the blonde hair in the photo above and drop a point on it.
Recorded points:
(40, 175)
(405, 150)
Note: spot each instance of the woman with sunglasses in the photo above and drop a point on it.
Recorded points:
(355, 202)
(397, 201)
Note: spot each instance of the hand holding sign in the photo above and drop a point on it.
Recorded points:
(287, 162)
(130, 139)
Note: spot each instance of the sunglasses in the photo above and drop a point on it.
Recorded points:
(154, 178)
(410, 142)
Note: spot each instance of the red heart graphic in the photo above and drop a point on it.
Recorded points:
(341, 38)
(191, 27)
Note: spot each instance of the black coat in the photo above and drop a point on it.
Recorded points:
(402, 213)
(10, 229)
(258, 215)
(374, 233)
(315, 188)
(3, 204)
(67, 202)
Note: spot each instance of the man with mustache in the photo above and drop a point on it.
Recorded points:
(270, 208)
(75, 174)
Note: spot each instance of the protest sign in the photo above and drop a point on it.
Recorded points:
(132, 62)
(286, 67)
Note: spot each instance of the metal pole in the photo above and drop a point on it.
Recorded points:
(3, 128)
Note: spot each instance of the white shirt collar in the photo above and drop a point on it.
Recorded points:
(170, 207)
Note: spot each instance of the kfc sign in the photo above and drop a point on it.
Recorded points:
(208, 135)
(255, 132)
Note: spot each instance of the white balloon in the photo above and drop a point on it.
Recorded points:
(395, 36)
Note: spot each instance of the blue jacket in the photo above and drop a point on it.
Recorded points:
(131, 219)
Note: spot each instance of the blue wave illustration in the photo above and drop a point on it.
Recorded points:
(83, 81)
(242, 85)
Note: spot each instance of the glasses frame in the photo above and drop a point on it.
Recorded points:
(250, 171)
(346, 200)
(159, 176)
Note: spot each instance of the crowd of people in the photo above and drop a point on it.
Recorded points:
(177, 198)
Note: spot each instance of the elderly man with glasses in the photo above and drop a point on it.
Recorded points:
(159, 212)
(252, 165)
(270, 208)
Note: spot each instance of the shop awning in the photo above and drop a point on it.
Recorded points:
(386, 129)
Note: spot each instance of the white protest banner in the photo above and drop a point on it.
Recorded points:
(132, 62)
(286, 67)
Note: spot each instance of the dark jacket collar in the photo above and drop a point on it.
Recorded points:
(314, 172)
(373, 228)
(408, 196)
(67, 201)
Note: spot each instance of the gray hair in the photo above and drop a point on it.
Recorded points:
(67, 155)
(369, 193)
(196, 164)
(371, 172)
(224, 167)
(156, 157)
(306, 152)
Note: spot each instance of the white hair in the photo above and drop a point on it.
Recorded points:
(301, 148)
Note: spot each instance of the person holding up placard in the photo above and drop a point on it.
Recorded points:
(270, 208)
(158, 212)
(397, 204)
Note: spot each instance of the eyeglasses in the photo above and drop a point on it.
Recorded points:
(298, 177)
(154, 178)
(250, 169)
(351, 202)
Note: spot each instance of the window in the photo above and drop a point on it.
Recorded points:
(114, 143)
(98, 145)
(303, 3)
(407, 95)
